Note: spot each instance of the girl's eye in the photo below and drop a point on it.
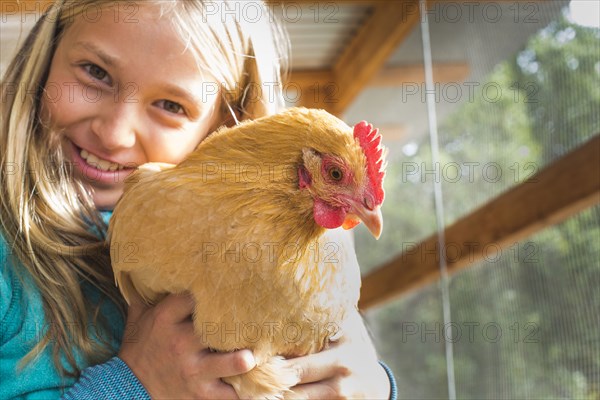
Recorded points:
(96, 72)
(336, 174)
(171, 106)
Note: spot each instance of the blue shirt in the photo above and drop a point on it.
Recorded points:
(22, 325)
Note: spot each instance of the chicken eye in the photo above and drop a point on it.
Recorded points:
(336, 174)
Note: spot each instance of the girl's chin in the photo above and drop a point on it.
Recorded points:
(106, 199)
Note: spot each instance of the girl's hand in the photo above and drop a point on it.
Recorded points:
(160, 348)
(348, 369)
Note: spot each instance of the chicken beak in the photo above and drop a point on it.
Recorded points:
(372, 219)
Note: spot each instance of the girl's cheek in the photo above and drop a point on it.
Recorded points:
(64, 103)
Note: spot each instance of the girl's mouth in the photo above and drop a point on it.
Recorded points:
(98, 170)
(99, 163)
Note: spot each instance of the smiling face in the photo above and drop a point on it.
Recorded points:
(123, 94)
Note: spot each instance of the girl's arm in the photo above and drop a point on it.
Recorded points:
(163, 337)
(164, 353)
(21, 322)
(392, 379)
(349, 368)
(161, 356)
(111, 380)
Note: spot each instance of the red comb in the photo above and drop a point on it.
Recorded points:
(370, 141)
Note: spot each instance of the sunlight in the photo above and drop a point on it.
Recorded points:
(585, 13)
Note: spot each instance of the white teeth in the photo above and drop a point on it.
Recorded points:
(99, 163)
(104, 165)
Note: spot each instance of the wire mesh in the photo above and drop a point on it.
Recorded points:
(525, 320)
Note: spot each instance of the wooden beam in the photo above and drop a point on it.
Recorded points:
(311, 77)
(312, 88)
(393, 132)
(390, 23)
(9, 6)
(402, 74)
(368, 51)
(12, 6)
(564, 188)
(318, 87)
(388, 76)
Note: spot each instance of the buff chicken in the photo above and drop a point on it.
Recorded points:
(247, 225)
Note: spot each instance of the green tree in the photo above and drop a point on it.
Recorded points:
(543, 292)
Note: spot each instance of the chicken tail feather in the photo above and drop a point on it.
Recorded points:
(270, 380)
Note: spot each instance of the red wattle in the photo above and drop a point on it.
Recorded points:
(327, 216)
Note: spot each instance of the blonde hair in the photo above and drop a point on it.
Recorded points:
(49, 219)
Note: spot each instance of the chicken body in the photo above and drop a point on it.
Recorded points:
(239, 225)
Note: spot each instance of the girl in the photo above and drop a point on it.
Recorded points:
(98, 88)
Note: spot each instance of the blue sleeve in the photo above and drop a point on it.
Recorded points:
(393, 386)
(111, 380)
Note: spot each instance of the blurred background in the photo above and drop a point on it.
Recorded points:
(515, 87)
(491, 112)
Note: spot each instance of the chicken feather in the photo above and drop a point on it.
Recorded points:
(235, 224)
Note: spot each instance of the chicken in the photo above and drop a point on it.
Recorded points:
(246, 225)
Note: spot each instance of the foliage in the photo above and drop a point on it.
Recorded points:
(541, 294)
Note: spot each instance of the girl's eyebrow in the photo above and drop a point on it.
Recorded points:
(114, 62)
(184, 94)
(106, 58)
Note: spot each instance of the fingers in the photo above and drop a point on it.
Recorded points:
(170, 359)
(219, 390)
(321, 390)
(137, 306)
(174, 308)
(223, 365)
(319, 366)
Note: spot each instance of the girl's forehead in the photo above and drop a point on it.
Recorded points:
(147, 21)
(147, 51)
(149, 38)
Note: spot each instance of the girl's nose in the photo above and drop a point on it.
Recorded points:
(116, 126)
